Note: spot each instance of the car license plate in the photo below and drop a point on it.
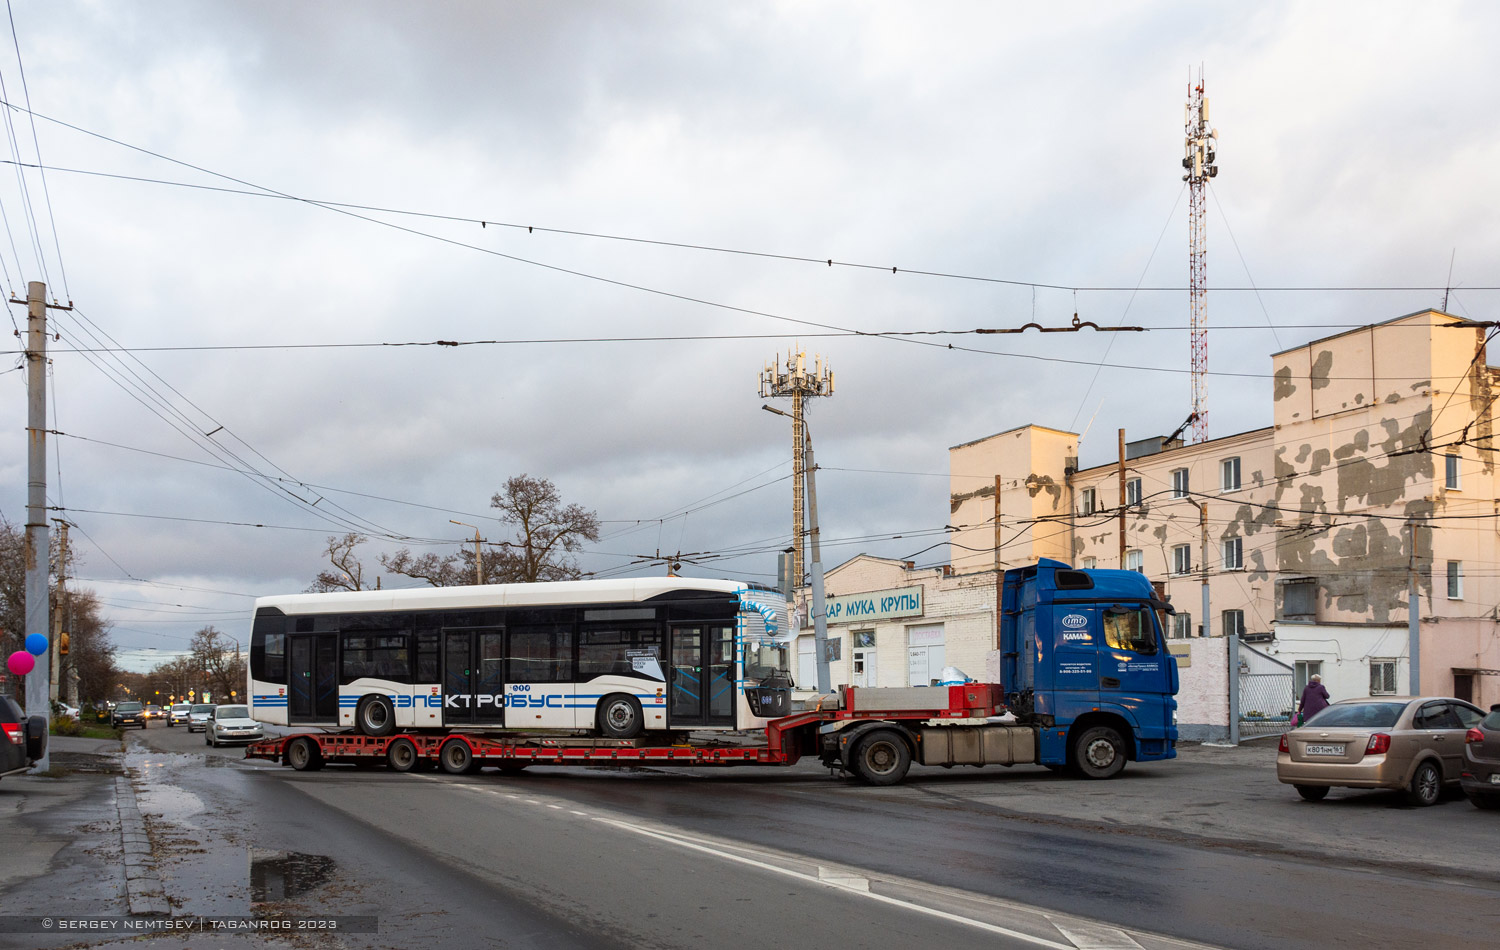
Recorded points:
(1324, 750)
(1495, 779)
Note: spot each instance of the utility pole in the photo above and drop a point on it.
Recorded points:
(61, 609)
(819, 607)
(999, 566)
(795, 381)
(478, 557)
(1202, 141)
(38, 551)
(1413, 613)
(1122, 499)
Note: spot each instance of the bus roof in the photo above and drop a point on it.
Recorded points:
(556, 593)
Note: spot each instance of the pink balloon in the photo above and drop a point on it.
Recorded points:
(20, 663)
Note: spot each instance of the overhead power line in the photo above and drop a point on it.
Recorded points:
(823, 261)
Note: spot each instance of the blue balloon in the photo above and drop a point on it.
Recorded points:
(36, 644)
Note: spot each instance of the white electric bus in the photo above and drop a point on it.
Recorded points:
(610, 657)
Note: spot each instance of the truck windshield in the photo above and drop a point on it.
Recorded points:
(1132, 629)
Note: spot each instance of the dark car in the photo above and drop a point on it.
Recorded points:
(1481, 774)
(128, 714)
(25, 738)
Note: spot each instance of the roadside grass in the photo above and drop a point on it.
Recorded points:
(68, 726)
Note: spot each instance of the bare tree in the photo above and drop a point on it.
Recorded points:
(223, 669)
(546, 530)
(348, 573)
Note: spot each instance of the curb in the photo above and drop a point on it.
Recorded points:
(142, 884)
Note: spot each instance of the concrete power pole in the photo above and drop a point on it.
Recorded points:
(795, 381)
(478, 557)
(38, 553)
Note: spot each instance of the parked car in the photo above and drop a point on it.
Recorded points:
(24, 737)
(1412, 744)
(231, 724)
(198, 716)
(1481, 775)
(128, 714)
(178, 713)
(153, 711)
(63, 709)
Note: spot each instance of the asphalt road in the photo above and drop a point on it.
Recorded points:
(695, 858)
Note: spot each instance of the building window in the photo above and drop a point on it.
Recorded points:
(1179, 483)
(1455, 580)
(1234, 554)
(1182, 626)
(1132, 491)
(1299, 599)
(1451, 471)
(1229, 471)
(1090, 563)
(1382, 677)
(1182, 559)
(1234, 623)
(1306, 669)
(1086, 502)
(1135, 561)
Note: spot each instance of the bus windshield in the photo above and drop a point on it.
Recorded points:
(765, 657)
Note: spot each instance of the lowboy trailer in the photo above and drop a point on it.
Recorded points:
(1086, 683)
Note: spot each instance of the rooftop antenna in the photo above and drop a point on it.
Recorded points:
(1449, 285)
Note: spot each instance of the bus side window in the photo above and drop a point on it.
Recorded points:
(427, 656)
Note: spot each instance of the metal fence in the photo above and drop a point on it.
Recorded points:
(1266, 703)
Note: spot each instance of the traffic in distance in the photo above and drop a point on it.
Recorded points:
(621, 672)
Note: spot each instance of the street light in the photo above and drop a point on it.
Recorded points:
(815, 569)
(478, 558)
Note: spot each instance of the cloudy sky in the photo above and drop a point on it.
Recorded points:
(980, 140)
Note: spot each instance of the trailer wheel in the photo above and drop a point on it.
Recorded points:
(402, 756)
(620, 717)
(882, 758)
(303, 756)
(1099, 752)
(457, 758)
(375, 716)
(512, 768)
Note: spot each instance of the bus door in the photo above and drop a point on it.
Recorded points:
(701, 682)
(474, 676)
(312, 678)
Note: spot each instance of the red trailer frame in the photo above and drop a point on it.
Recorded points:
(787, 739)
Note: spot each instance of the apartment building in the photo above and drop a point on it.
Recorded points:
(1378, 471)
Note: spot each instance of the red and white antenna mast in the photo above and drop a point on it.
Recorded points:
(1202, 141)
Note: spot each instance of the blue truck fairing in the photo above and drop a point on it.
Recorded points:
(1086, 646)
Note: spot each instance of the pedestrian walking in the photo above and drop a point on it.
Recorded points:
(1314, 698)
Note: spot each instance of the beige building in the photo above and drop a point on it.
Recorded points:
(1380, 435)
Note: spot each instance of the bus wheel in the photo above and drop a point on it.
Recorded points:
(1099, 753)
(882, 758)
(402, 756)
(303, 756)
(375, 716)
(456, 757)
(620, 717)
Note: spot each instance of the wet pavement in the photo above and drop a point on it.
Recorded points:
(1205, 848)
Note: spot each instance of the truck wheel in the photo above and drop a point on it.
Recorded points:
(1099, 753)
(620, 717)
(375, 716)
(882, 758)
(303, 756)
(1425, 785)
(402, 756)
(456, 757)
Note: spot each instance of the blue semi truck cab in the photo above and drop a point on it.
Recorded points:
(1083, 661)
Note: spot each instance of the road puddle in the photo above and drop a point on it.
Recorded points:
(282, 875)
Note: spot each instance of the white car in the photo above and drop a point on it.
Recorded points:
(178, 713)
(231, 724)
(198, 717)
